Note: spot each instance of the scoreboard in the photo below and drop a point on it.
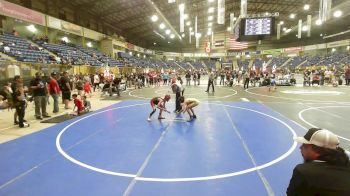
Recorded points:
(258, 26)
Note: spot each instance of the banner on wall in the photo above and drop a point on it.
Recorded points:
(54, 23)
(72, 28)
(130, 46)
(293, 49)
(219, 43)
(272, 51)
(22, 13)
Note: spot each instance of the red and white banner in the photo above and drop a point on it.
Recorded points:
(232, 44)
(293, 49)
(207, 47)
(22, 13)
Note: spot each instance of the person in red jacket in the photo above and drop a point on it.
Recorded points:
(78, 104)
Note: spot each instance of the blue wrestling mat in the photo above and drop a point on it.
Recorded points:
(232, 148)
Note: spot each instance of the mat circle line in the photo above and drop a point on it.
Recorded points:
(189, 179)
(300, 114)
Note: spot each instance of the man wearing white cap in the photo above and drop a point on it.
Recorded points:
(326, 167)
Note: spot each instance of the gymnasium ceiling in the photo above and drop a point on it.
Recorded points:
(132, 18)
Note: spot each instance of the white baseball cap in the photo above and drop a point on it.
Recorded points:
(319, 137)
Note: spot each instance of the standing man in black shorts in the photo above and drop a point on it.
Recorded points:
(66, 89)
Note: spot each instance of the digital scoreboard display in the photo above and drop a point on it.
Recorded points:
(258, 26)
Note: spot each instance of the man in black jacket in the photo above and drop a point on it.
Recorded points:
(326, 167)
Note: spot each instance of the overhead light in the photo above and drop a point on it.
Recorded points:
(183, 35)
(210, 18)
(337, 13)
(228, 28)
(144, 56)
(284, 29)
(211, 1)
(211, 10)
(292, 16)
(288, 30)
(65, 39)
(162, 26)
(305, 28)
(333, 49)
(234, 18)
(306, 7)
(318, 22)
(348, 48)
(209, 29)
(185, 16)
(281, 22)
(182, 6)
(154, 43)
(154, 18)
(167, 31)
(130, 53)
(209, 33)
(188, 23)
(172, 36)
(237, 56)
(138, 55)
(192, 33)
(89, 44)
(168, 42)
(31, 28)
(199, 35)
(321, 35)
(266, 14)
(210, 24)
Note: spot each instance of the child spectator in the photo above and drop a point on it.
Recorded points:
(78, 104)
(87, 88)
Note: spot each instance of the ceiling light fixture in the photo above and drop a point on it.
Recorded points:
(305, 28)
(306, 7)
(172, 36)
(211, 10)
(210, 24)
(337, 13)
(167, 31)
(282, 23)
(318, 22)
(210, 18)
(188, 23)
(162, 26)
(292, 16)
(154, 18)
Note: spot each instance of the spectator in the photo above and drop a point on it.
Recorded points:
(54, 91)
(211, 81)
(78, 104)
(326, 167)
(66, 89)
(40, 96)
(347, 76)
(20, 103)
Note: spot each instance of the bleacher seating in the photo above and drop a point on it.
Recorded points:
(210, 64)
(71, 54)
(258, 63)
(313, 60)
(243, 64)
(278, 61)
(24, 51)
(296, 61)
(101, 57)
